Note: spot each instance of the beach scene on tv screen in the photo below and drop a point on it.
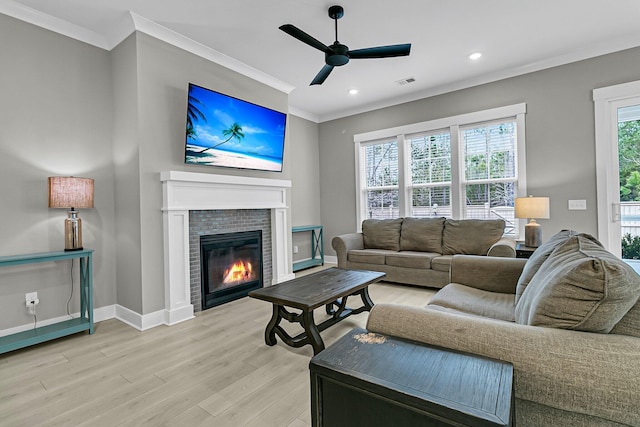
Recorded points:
(228, 132)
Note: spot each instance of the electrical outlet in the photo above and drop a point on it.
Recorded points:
(295, 249)
(31, 299)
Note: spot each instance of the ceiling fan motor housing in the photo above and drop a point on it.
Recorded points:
(339, 55)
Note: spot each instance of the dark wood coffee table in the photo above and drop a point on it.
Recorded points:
(367, 379)
(330, 287)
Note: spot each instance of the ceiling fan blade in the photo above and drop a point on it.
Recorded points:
(322, 75)
(381, 51)
(304, 37)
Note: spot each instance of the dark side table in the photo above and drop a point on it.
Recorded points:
(523, 251)
(367, 379)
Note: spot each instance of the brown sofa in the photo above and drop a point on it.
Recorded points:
(568, 319)
(418, 251)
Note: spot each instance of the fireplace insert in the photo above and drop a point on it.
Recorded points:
(230, 266)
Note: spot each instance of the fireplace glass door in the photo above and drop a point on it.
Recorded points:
(231, 266)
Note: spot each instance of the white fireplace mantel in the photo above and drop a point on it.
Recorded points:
(187, 191)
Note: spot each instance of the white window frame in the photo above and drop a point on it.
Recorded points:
(453, 124)
(361, 177)
(408, 188)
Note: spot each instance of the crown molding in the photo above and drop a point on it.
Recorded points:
(171, 37)
(134, 22)
(595, 50)
(303, 114)
(51, 23)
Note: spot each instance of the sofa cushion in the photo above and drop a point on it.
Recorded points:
(630, 323)
(410, 259)
(470, 236)
(382, 233)
(479, 302)
(422, 234)
(441, 263)
(368, 256)
(541, 254)
(581, 287)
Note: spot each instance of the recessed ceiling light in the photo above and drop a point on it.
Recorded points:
(353, 91)
(475, 55)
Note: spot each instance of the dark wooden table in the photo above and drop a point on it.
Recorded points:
(523, 251)
(367, 379)
(329, 288)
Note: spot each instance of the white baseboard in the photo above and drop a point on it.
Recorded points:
(104, 313)
(99, 314)
(331, 259)
(142, 322)
(123, 314)
(137, 320)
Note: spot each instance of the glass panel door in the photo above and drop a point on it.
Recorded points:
(628, 226)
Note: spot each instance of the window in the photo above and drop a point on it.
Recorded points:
(490, 171)
(467, 166)
(381, 187)
(430, 175)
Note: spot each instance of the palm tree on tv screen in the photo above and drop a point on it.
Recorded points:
(193, 115)
(233, 131)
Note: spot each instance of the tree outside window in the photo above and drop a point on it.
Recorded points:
(381, 163)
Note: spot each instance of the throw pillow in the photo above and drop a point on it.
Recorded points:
(382, 233)
(539, 256)
(422, 234)
(470, 236)
(581, 287)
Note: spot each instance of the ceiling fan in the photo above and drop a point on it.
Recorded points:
(338, 54)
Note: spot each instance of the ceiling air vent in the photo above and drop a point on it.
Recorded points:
(406, 81)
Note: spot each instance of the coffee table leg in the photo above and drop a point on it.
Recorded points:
(269, 333)
(340, 302)
(312, 332)
(366, 299)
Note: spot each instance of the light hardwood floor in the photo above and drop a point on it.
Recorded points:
(214, 370)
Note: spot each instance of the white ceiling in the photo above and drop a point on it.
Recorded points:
(514, 36)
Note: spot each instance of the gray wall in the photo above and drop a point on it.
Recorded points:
(305, 191)
(126, 161)
(163, 75)
(55, 119)
(118, 117)
(559, 134)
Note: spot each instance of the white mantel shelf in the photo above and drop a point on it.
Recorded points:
(187, 191)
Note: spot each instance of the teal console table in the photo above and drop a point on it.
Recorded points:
(317, 247)
(65, 327)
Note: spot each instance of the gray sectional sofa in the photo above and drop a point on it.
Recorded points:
(568, 319)
(418, 251)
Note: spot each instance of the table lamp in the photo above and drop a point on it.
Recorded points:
(532, 208)
(70, 192)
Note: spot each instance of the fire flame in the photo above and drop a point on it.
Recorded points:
(239, 271)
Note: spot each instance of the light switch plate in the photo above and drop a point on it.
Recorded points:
(577, 205)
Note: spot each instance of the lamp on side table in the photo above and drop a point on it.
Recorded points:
(532, 208)
(71, 192)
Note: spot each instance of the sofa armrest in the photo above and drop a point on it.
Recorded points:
(505, 247)
(583, 372)
(488, 273)
(344, 243)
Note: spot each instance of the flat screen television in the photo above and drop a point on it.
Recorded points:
(229, 132)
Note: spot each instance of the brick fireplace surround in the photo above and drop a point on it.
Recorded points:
(203, 223)
(187, 191)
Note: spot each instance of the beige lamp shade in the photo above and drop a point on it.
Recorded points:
(70, 192)
(532, 207)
